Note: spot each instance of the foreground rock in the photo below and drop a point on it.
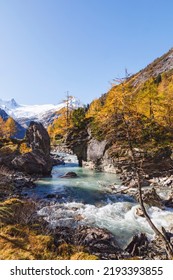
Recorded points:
(33, 163)
(38, 161)
(70, 175)
(138, 245)
(100, 242)
(97, 241)
(151, 198)
(12, 183)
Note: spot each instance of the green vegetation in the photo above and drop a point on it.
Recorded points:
(78, 118)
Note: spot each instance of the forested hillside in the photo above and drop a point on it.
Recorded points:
(141, 104)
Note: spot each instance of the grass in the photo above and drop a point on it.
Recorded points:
(23, 237)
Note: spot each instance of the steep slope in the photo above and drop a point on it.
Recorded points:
(3, 114)
(158, 66)
(136, 112)
(148, 94)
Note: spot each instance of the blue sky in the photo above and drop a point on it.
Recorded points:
(48, 47)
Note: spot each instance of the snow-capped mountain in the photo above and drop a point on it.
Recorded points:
(45, 114)
(40, 113)
(7, 105)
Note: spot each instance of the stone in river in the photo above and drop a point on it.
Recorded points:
(69, 175)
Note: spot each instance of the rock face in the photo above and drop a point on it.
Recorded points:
(95, 150)
(38, 161)
(86, 148)
(38, 138)
(78, 144)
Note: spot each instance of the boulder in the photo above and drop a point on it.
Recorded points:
(37, 138)
(38, 161)
(70, 175)
(96, 150)
(137, 245)
(33, 163)
(139, 212)
(99, 242)
(169, 202)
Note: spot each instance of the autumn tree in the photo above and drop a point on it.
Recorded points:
(165, 114)
(138, 173)
(10, 127)
(59, 126)
(2, 127)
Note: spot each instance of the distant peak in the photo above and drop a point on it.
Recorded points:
(9, 104)
(13, 101)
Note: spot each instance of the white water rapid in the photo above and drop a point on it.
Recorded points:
(85, 200)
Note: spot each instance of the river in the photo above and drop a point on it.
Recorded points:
(85, 200)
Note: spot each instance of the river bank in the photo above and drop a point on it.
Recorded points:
(78, 220)
(117, 213)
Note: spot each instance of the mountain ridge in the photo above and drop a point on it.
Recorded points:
(44, 113)
(158, 66)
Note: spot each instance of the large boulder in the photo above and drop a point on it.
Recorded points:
(86, 148)
(96, 150)
(38, 161)
(37, 138)
(33, 163)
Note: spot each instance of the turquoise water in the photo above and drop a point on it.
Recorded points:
(88, 196)
(89, 187)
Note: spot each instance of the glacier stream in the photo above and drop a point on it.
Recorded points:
(85, 201)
